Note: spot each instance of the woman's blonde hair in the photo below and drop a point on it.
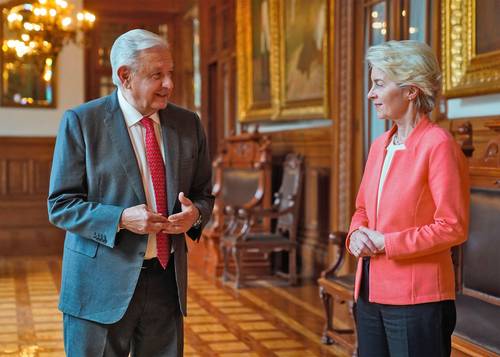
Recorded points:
(409, 63)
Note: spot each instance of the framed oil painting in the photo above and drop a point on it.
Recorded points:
(254, 47)
(303, 58)
(471, 47)
(281, 53)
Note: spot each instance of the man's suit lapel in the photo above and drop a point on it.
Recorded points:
(117, 131)
(171, 149)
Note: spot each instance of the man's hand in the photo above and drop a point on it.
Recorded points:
(140, 219)
(376, 237)
(183, 221)
(360, 244)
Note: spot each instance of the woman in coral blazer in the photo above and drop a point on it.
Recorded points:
(412, 207)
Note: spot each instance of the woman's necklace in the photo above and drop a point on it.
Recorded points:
(397, 140)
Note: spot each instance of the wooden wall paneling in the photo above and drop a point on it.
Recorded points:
(177, 43)
(186, 67)
(347, 103)
(205, 50)
(481, 134)
(218, 56)
(24, 181)
(219, 96)
(229, 90)
(18, 174)
(212, 105)
(41, 175)
(3, 177)
(396, 21)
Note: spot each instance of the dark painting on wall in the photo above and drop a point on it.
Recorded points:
(487, 19)
(304, 31)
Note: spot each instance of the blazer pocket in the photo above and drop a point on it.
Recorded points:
(81, 245)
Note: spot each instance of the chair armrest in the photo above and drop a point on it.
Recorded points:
(338, 239)
(273, 212)
(242, 219)
(230, 220)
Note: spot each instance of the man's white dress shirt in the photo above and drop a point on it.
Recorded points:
(138, 138)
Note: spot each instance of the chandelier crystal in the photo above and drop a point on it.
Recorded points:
(42, 28)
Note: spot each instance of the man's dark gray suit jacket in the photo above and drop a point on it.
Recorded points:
(94, 177)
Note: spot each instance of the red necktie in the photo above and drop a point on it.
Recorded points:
(157, 171)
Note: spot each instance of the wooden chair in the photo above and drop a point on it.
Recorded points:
(242, 236)
(242, 178)
(340, 289)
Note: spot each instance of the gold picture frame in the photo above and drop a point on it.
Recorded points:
(296, 90)
(466, 70)
(250, 108)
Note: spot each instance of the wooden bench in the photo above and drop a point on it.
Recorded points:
(337, 289)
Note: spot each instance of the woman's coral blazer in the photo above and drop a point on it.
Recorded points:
(423, 212)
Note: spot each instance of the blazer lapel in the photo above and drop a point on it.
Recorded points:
(379, 162)
(171, 148)
(117, 130)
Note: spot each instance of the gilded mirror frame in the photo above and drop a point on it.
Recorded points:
(466, 72)
(6, 102)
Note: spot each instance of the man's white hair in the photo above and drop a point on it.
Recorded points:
(127, 48)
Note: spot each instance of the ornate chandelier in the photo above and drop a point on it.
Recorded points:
(42, 28)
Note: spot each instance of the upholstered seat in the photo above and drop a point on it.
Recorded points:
(478, 322)
(478, 299)
(263, 238)
(346, 281)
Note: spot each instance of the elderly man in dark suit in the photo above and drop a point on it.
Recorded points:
(130, 176)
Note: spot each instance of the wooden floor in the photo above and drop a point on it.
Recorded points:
(265, 319)
(262, 320)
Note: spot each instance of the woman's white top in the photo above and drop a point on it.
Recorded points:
(391, 149)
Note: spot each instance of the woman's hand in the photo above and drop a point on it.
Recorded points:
(361, 245)
(375, 237)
